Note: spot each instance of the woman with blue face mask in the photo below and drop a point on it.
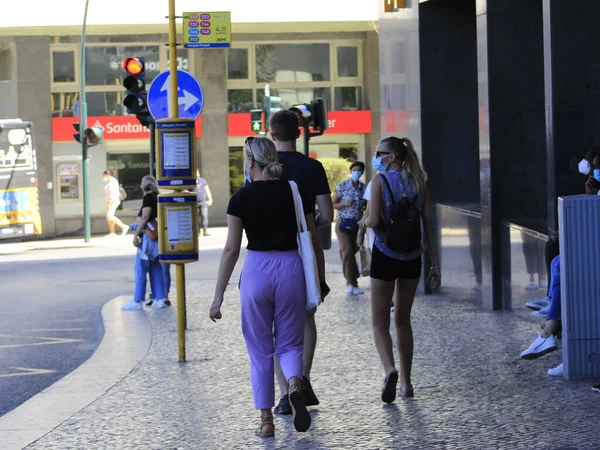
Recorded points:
(350, 204)
(400, 204)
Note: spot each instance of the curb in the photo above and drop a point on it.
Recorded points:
(126, 342)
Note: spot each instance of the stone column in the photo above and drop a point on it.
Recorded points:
(212, 149)
(33, 87)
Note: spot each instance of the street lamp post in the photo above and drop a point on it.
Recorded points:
(84, 142)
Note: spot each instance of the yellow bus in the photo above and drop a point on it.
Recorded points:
(19, 199)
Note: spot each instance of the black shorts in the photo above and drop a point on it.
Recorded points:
(386, 268)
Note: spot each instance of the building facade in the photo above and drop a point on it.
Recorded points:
(501, 99)
(40, 81)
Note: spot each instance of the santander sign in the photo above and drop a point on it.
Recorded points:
(239, 125)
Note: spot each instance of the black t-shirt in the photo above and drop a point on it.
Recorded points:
(267, 212)
(308, 173)
(150, 201)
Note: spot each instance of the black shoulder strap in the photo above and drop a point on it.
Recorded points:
(389, 188)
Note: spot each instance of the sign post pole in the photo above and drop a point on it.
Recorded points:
(173, 114)
(84, 142)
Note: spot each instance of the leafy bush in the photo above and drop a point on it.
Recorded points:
(337, 170)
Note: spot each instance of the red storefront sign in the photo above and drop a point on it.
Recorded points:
(340, 122)
(127, 127)
(115, 127)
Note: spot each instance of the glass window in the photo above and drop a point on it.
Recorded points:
(63, 66)
(347, 62)
(105, 104)
(64, 104)
(237, 64)
(104, 64)
(295, 96)
(183, 62)
(348, 98)
(130, 168)
(240, 100)
(292, 63)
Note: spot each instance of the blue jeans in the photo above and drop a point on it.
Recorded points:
(554, 313)
(154, 270)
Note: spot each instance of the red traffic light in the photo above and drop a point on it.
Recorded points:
(133, 66)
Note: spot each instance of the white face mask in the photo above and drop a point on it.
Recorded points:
(584, 167)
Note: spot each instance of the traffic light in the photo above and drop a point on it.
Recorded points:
(313, 114)
(256, 120)
(136, 97)
(271, 106)
(77, 135)
(94, 134)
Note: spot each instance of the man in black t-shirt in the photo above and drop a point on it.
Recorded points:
(310, 176)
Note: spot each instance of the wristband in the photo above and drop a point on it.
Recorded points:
(435, 268)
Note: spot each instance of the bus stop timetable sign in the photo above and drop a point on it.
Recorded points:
(207, 30)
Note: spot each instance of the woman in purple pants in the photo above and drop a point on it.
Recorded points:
(272, 289)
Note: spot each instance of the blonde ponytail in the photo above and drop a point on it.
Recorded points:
(413, 168)
(264, 153)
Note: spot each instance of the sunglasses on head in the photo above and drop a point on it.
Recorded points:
(248, 140)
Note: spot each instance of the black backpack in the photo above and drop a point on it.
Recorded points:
(403, 227)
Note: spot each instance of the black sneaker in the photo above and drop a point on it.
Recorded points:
(596, 387)
(309, 395)
(283, 408)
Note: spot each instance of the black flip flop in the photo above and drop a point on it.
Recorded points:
(302, 418)
(388, 393)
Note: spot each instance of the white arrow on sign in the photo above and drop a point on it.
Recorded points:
(188, 100)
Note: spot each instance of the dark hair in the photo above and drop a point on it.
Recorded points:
(110, 173)
(284, 126)
(359, 164)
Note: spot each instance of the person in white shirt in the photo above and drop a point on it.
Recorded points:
(113, 200)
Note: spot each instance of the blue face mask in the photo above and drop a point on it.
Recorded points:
(378, 165)
(597, 174)
(356, 174)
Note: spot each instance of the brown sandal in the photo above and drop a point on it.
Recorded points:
(265, 420)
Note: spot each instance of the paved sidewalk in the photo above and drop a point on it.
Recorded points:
(472, 390)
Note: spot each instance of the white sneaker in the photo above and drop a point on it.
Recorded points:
(543, 285)
(125, 230)
(539, 304)
(531, 287)
(540, 347)
(357, 291)
(542, 313)
(349, 289)
(159, 303)
(478, 287)
(132, 306)
(556, 371)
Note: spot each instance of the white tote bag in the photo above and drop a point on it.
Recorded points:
(307, 253)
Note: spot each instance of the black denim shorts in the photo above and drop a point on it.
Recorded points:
(386, 268)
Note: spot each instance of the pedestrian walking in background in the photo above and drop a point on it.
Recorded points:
(145, 238)
(348, 199)
(309, 175)
(272, 284)
(112, 194)
(400, 201)
(204, 202)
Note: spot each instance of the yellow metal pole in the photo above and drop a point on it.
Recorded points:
(174, 114)
(180, 274)
(174, 110)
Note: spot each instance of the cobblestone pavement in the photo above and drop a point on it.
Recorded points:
(471, 389)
